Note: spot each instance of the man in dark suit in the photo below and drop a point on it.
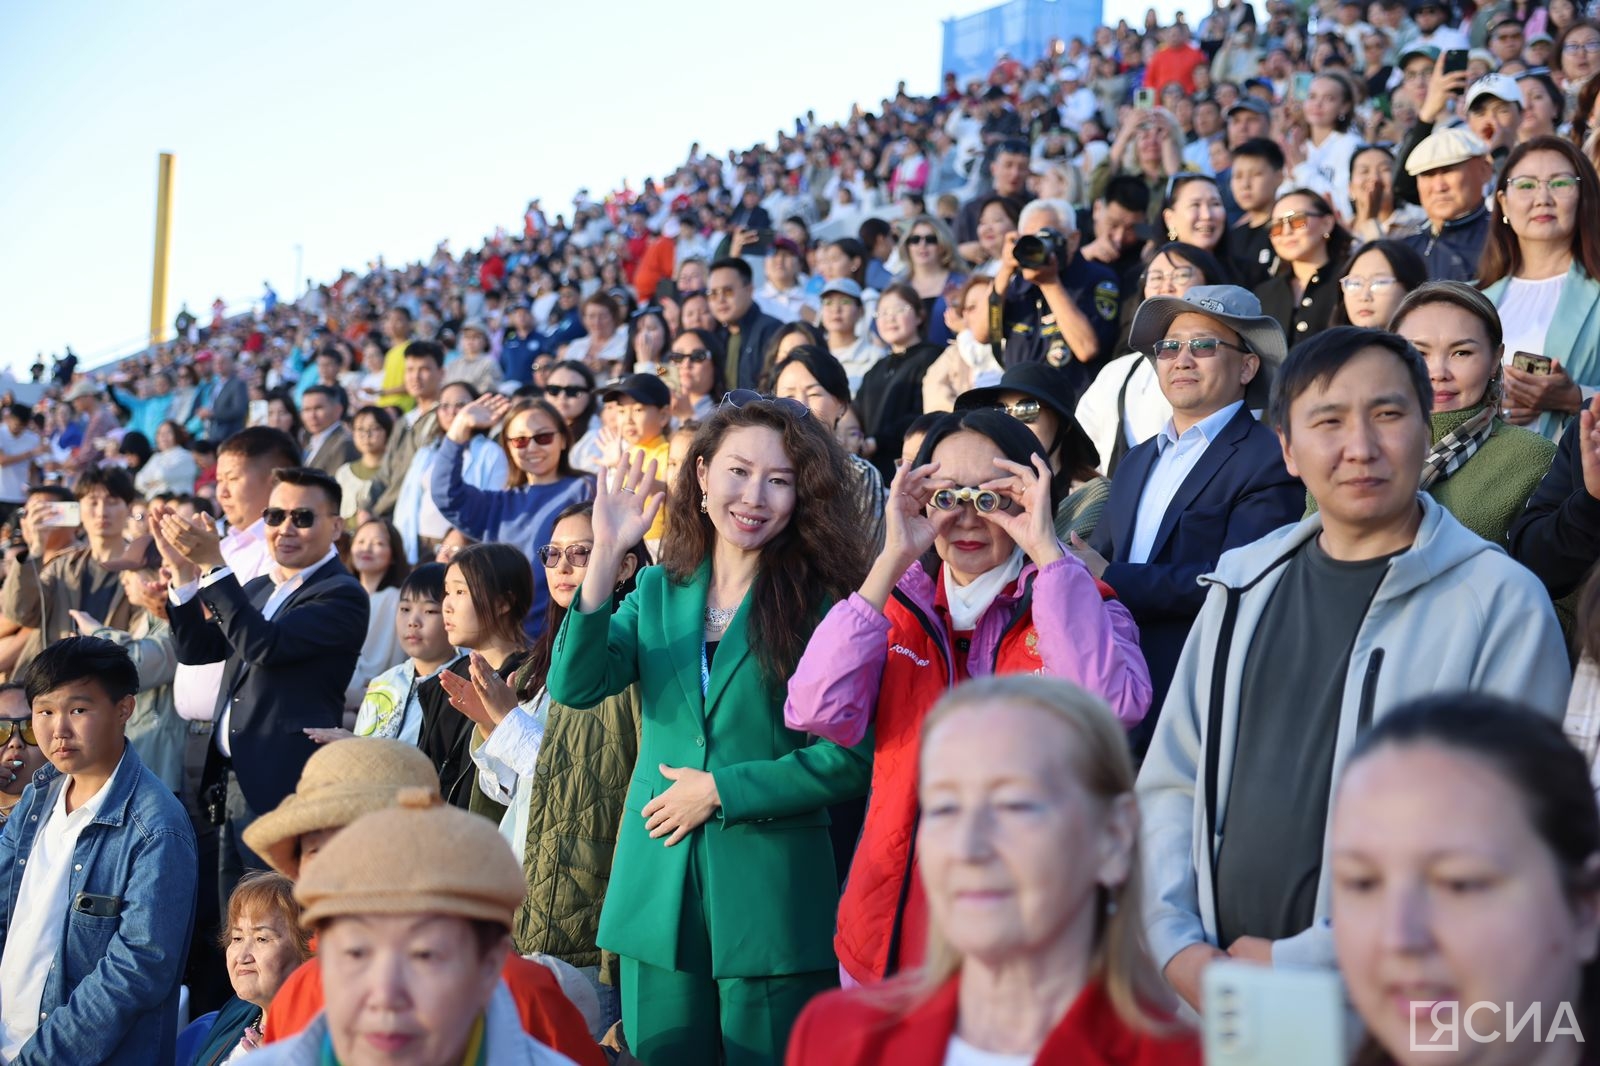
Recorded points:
(328, 443)
(290, 640)
(1212, 480)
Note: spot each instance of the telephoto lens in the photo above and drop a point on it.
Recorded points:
(1038, 249)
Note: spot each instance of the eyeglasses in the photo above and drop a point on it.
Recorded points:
(921, 238)
(571, 392)
(544, 438)
(1199, 347)
(984, 501)
(725, 292)
(576, 555)
(1573, 48)
(1025, 411)
(741, 397)
(1179, 276)
(302, 517)
(699, 355)
(1380, 283)
(1560, 185)
(9, 727)
(1293, 222)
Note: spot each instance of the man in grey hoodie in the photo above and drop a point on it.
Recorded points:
(1306, 636)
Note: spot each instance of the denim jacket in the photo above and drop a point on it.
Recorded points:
(112, 994)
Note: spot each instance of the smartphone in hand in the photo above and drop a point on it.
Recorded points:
(1263, 1016)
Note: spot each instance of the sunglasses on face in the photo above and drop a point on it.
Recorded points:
(301, 517)
(1024, 411)
(984, 501)
(544, 438)
(1293, 222)
(699, 355)
(576, 555)
(571, 392)
(10, 727)
(1199, 347)
(740, 397)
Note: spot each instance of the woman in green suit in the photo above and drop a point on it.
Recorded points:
(723, 892)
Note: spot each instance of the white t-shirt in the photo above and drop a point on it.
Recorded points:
(1327, 168)
(961, 1053)
(1526, 310)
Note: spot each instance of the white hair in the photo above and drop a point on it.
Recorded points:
(1066, 217)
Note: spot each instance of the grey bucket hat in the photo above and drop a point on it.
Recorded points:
(1236, 308)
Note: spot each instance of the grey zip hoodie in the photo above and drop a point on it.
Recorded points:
(1453, 612)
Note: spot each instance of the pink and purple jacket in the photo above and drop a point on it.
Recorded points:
(864, 669)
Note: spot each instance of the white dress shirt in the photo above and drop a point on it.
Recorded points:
(1177, 455)
(287, 585)
(40, 917)
(195, 688)
(507, 762)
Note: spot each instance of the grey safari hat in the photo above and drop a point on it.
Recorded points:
(1236, 308)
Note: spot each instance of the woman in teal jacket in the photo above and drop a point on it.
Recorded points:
(1541, 268)
(723, 891)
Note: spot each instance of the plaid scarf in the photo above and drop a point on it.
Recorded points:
(1452, 450)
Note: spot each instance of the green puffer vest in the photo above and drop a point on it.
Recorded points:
(581, 780)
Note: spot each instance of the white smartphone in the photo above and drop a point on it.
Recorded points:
(1262, 1016)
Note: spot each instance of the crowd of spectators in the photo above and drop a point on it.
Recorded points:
(886, 557)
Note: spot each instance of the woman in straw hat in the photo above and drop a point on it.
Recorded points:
(413, 951)
(342, 782)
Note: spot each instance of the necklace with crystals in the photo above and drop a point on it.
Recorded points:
(718, 617)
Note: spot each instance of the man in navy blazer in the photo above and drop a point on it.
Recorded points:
(290, 640)
(1212, 480)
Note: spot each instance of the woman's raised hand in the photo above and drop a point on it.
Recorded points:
(908, 531)
(623, 510)
(481, 413)
(1030, 520)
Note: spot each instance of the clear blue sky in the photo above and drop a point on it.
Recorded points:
(356, 129)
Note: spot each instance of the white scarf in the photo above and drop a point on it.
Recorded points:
(968, 602)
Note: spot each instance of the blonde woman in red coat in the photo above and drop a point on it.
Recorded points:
(1029, 860)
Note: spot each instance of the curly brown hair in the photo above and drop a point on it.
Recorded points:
(817, 559)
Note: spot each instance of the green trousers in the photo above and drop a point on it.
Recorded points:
(689, 1018)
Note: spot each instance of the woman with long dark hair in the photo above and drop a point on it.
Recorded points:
(724, 931)
(1541, 268)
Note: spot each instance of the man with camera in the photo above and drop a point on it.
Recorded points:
(1050, 304)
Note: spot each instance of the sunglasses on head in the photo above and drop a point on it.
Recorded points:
(571, 392)
(575, 554)
(985, 501)
(740, 397)
(544, 438)
(699, 355)
(301, 517)
(10, 727)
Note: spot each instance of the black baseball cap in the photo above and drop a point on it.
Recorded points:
(640, 388)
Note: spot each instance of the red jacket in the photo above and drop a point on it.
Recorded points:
(1173, 65)
(850, 1029)
(655, 266)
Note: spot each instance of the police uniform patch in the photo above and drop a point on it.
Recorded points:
(1107, 300)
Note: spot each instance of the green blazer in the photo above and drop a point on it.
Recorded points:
(770, 889)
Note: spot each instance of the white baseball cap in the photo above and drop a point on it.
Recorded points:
(1498, 86)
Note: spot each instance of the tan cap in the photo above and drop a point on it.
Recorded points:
(1444, 148)
(341, 782)
(419, 857)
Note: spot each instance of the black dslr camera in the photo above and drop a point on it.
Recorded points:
(1039, 249)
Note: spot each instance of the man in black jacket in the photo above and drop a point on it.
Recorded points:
(290, 640)
(744, 328)
(1558, 536)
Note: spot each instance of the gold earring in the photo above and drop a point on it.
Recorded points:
(1172, 234)
(702, 505)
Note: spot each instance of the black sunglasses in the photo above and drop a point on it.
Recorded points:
(740, 397)
(571, 392)
(699, 355)
(301, 517)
